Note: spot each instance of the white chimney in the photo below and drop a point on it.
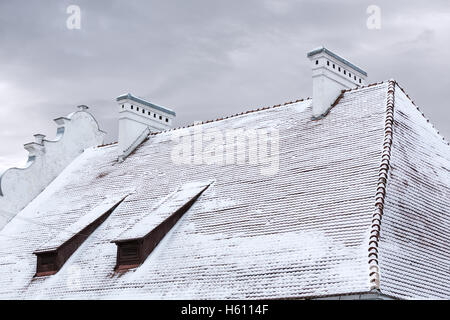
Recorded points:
(137, 118)
(331, 75)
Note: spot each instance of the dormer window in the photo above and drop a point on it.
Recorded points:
(53, 254)
(136, 243)
(129, 254)
(47, 263)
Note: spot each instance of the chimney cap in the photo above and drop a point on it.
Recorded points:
(337, 57)
(82, 107)
(129, 96)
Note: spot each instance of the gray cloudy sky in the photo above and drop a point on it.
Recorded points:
(204, 58)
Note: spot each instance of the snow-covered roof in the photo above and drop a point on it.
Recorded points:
(83, 222)
(373, 163)
(163, 210)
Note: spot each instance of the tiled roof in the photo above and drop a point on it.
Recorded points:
(84, 221)
(307, 231)
(414, 256)
(163, 210)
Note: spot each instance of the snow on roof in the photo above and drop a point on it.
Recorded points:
(163, 210)
(415, 231)
(82, 223)
(302, 232)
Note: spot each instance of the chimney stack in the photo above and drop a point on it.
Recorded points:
(137, 118)
(331, 75)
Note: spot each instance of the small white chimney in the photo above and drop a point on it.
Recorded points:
(137, 118)
(331, 74)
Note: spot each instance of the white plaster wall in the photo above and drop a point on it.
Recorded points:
(18, 186)
(328, 82)
(133, 123)
(325, 91)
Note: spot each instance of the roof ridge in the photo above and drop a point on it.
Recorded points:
(216, 120)
(374, 269)
(266, 108)
(234, 115)
(259, 109)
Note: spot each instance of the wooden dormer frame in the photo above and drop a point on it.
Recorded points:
(51, 260)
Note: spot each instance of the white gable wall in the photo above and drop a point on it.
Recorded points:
(18, 186)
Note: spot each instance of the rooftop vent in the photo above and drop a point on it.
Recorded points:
(137, 118)
(331, 75)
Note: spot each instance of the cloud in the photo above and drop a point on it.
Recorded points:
(203, 58)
